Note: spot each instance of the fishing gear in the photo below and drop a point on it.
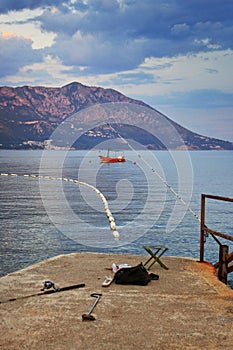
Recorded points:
(89, 316)
(48, 288)
(48, 285)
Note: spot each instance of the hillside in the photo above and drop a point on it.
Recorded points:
(29, 116)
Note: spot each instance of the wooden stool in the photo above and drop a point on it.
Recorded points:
(155, 254)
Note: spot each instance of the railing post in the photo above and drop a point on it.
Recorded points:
(223, 263)
(202, 228)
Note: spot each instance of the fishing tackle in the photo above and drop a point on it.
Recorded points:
(50, 288)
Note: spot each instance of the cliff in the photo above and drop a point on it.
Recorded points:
(29, 116)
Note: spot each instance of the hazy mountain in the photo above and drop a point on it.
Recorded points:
(30, 115)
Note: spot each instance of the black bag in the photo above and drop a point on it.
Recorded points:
(134, 275)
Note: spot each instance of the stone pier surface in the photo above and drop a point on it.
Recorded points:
(187, 308)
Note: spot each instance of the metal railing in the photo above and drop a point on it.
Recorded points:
(224, 257)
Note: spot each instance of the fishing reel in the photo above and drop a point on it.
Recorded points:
(49, 285)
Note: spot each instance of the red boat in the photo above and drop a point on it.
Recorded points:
(108, 159)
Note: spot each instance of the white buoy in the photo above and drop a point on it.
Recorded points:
(105, 204)
(111, 218)
(104, 200)
(113, 225)
(108, 213)
(116, 234)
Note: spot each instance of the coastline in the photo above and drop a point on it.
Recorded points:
(188, 307)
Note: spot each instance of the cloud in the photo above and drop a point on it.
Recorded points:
(190, 72)
(172, 54)
(134, 78)
(7, 6)
(107, 36)
(14, 51)
(210, 98)
(47, 72)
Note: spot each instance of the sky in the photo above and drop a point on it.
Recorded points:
(175, 55)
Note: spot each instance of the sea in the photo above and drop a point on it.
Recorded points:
(56, 202)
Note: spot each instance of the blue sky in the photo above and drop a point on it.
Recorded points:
(175, 55)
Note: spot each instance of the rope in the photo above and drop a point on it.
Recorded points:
(176, 194)
(108, 212)
(75, 181)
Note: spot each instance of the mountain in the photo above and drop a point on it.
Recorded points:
(81, 117)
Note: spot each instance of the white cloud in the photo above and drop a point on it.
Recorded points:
(184, 73)
(163, 52)
(49, 72)
(23, 24)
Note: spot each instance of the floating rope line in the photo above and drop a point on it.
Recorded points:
(75, 181)
(177, 195)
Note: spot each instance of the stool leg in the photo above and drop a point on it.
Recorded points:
(152, 256)
(155, 257)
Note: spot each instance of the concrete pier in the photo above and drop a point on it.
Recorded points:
(187, 308)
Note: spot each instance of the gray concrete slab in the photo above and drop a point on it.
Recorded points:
(187, 308)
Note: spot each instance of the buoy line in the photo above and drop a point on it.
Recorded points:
(75, 181)
(177, 195)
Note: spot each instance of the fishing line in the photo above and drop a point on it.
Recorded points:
(75, 181)
(176, 194)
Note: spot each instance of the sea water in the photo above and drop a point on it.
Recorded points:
(154, 198)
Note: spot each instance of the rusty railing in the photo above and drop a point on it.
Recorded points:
(224, 257)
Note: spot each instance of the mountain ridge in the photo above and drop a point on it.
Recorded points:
(29, 115)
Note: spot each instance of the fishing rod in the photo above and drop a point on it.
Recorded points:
(49, 288)
(177, 195)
